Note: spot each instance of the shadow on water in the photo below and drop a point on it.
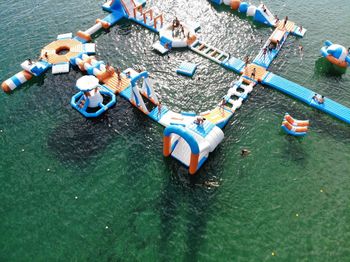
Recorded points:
(79, 139)
(195, 192)
(324, 68)
(294, 151)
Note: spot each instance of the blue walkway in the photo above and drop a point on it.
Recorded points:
(114, 17)
(266, 60)
(234, 64)
(305, 95)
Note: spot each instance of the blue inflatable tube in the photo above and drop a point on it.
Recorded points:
(243, 7)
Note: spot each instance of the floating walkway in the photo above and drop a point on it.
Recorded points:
(271, 48)
(306, 95)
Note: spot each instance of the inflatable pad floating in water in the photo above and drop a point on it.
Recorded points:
(295, 127)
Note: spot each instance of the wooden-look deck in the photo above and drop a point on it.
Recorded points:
(260, 72)
(117, 85)
(289, 26)
(218, 114)
(74, 48)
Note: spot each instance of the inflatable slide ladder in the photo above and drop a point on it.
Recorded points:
(129, 6)
(264, 15)
(151, 18)
(210, 52)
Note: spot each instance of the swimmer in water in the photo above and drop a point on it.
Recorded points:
(301, 49)
(245, 152)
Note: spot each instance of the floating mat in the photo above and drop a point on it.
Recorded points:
(60, 68)
(65, 36)
(187, 69)
(160, 48)
(89, 48)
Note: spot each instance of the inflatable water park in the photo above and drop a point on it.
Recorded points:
(188, 137)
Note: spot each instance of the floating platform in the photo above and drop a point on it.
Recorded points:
(306, 95)
(234, 64)
(187, 69)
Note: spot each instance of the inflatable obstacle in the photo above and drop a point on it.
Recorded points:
(187, 69)
(91, 97)
(294, 127)
(191, 144)
(336, 54)
(261, 14)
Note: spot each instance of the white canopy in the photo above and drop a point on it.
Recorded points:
(87, 83)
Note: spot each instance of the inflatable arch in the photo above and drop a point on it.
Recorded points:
(189, 138)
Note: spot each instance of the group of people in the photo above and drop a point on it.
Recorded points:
(270, 47)
(178, 28)
(246, 63)
(199, 120)
(318, 98)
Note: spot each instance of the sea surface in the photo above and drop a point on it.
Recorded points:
(100, 190)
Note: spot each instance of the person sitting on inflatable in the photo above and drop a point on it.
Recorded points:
(318, 98)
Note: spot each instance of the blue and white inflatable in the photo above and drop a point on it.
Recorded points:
(336, 54)
(89, 101)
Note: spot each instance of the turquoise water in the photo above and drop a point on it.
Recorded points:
(78, 190)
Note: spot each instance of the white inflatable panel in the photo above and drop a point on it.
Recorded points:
(251, 10)
(87, 83)
(26, 66)
(214, 138)
(90, 48)
(160, 48)
(65, 36)
(10, 84)
(60, 68)
(21, 77)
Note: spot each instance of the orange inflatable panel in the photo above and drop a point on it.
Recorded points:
(296, 122)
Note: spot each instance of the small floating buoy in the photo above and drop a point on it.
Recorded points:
(0, 130)
(22, 149)
(321, 190)
(76, 197)
(273, 253)
(48, 170)
(297, 215)
(106, 227)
